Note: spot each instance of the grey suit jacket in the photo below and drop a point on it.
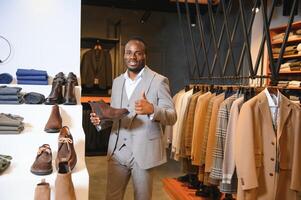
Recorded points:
(146, 133)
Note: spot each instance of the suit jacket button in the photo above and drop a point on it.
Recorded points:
(272, 159)
(271, 174)
(273, 143)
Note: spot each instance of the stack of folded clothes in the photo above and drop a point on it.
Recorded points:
(290, 66)
(11, 124)
(289, 50)
(32, 77)
(292, 35)
(10, 95)
(282, 83)
(294, 84)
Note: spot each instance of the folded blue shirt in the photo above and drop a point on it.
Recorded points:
(31, 72)
(40, 78)
(33, 82)
(5, 78)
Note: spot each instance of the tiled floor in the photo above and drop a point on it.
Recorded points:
(97, 167)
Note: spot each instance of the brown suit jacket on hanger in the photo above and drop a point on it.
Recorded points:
(257, 145)
(96, 64)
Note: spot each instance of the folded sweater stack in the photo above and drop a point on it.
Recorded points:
(32, 77)
(11, 124)
(10, 95)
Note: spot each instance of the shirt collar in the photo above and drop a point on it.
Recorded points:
(139, 75)
(273, 101)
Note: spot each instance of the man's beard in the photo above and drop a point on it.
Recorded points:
(136, 70)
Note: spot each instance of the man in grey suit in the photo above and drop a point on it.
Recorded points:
(136, 141)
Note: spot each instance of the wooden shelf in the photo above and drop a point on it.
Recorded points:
(296, 40)
(290, 56)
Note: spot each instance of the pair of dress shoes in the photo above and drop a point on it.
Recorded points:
(43, 162)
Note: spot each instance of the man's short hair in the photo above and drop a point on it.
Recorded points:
(140, 39)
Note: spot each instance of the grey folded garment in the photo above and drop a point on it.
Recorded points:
(10, 120)
(4, 162)
(9, 132)
(34, 98)
(12, 128)
(9, 90)
(10, 97)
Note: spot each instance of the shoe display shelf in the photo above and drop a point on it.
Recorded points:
(17, 182)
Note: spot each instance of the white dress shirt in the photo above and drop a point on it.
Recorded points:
(273, 101)
(130, 84)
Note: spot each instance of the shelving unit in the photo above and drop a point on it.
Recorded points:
(17, 182)
(286, 75)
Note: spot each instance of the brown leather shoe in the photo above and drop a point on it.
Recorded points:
(106, 112)
(42, 191)
(66, 148)
(69, 94)
(54, 123)
(64, 189)
(43, 162)
(56, 94)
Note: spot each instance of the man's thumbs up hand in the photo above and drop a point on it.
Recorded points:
(143, 106)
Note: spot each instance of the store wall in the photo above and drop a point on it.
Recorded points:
(166, 53)
(44, 34)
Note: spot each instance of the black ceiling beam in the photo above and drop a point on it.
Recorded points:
(149, 5)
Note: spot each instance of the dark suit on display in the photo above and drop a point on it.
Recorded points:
(96, 68)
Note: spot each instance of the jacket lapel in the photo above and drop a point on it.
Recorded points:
(265, 110)
(144, 84)
(285, 109)
(147, 78)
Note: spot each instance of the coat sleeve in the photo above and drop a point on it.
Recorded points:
(244, 148)
(164, 110)
(108, 69)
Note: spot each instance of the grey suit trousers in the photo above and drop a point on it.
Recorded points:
(122, 166)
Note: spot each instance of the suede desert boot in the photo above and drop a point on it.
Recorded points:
(64, 189)
(56, 94)
(43, 162)
(42, 191)
(54, 123)
(106, 112)
(69, 94)
(66, 148)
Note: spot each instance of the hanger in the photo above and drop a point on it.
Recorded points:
(272, 90)
(97, 45)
